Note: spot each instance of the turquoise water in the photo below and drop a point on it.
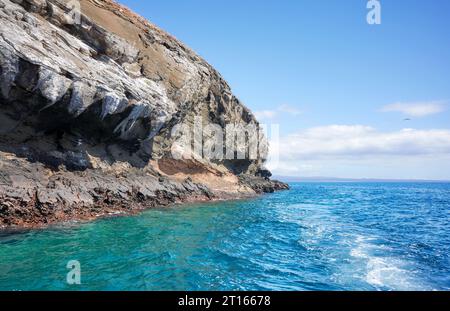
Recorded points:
(318, 236)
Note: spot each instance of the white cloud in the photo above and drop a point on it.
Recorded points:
(265, 114)
(289, 109)
(416, 109)
(358, 140)
(271, 114)
(338, 150)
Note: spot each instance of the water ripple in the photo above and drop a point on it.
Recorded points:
(345, 236)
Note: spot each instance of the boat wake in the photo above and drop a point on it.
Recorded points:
(385, 272)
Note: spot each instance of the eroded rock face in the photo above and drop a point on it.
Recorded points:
(88, 97)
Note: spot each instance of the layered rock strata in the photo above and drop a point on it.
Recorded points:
(90, 94)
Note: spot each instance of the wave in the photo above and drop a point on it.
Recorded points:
(385, 272)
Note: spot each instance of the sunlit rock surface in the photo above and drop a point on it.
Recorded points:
(88, 100)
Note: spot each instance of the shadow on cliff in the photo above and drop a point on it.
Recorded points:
(31, 129)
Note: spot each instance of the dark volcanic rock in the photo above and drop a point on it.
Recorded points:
(87, 105)
(31, 195)
(262, 185)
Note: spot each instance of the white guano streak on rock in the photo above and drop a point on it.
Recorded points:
(140, 110)
(70, 54)
(52, 86)
(82, 96)
(112, 103)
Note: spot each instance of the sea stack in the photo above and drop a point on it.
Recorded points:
(90, 95)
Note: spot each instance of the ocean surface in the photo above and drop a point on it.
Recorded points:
(317, 236)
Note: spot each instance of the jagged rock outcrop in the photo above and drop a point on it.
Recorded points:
(89, 97)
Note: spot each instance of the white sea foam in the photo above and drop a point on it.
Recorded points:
(385, 272)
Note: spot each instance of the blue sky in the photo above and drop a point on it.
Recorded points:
(313, 65)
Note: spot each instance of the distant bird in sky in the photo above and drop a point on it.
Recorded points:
(407, 119)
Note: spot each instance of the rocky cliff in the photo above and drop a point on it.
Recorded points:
(90, 94)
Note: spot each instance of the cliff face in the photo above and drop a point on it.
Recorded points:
(88, 102)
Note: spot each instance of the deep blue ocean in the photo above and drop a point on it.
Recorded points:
(317, 236)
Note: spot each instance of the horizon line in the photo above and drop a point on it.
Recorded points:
(349, 179)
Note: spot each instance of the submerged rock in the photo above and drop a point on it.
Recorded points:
(88, 102)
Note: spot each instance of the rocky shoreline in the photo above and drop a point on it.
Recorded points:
(89, 99)
(32, 196)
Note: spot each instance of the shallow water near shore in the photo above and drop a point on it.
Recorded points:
(316, 236)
